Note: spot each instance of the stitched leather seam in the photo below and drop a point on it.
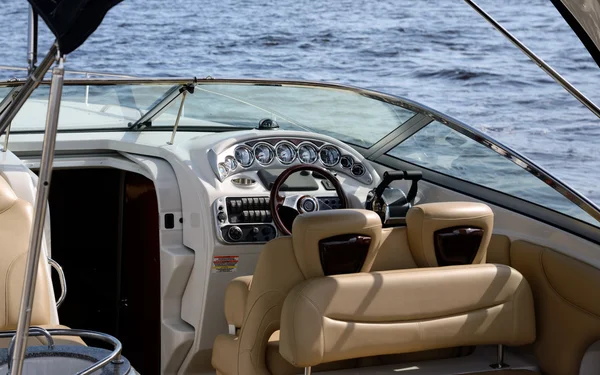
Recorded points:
(6, 287)
(9, 207)
(419, 320)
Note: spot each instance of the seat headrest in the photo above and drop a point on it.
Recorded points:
(424, 220)
(7, 195)
(316, 236)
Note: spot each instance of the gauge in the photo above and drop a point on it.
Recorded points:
(307, 153)
(231, 163)
(223, 171)
(264, 153)
(346, 161)
(244, 156)
(358, 170)
(285, 153)
(329, 155)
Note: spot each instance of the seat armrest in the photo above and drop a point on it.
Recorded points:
(236, 296)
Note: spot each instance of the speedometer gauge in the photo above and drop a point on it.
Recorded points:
(264, 153)
(329, 155)
(285, 153)
(307, 153)
(244, 156)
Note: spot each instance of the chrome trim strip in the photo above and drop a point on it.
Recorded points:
(62, 281)
(538, 61)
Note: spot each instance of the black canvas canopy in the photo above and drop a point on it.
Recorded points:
(72, 21)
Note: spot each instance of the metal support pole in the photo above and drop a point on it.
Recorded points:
(39, 216)
(307, 370)
(32, 82)
(5, 149)
(32, 40)
(541, 63)
(178, 117)
(500, 358)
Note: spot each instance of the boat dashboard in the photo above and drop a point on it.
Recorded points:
(247, 166)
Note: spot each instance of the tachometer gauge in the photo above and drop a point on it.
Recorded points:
(307, 153)
(329, 155)
(244, 156)
(346, 161)
(231, 163)
(358, 170)
(264, 153)
(285, 153)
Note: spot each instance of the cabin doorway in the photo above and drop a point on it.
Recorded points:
(105, 235)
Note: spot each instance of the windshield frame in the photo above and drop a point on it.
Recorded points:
(424, 115)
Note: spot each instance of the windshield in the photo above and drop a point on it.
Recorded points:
(358, 117)
(442, 149)
(344, 114)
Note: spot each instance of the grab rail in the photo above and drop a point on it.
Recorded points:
(114, 356)
(61, 279)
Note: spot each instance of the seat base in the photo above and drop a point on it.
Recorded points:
(478, 363)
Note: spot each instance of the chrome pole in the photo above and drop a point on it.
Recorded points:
(32, 82)
(32, 40)
(541, 63)
(39, 216)
(177, 119)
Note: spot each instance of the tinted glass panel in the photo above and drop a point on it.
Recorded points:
(442, 149)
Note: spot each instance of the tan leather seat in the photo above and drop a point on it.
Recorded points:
(350, 316)
(253, 304)
(16, 217)
(424, 220)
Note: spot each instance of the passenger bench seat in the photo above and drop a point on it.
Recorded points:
(16, 217)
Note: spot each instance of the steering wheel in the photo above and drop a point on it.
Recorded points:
(301, 203)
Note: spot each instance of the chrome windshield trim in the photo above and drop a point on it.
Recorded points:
(571, 194)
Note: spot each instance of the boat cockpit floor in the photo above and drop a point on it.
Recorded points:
(477, 363)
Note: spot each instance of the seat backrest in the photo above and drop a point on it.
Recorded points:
(352, 316)
(16, 217)
(449, 233)
(325, 242)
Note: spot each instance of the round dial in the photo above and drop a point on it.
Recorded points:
(307, 153)
(285, 153)
(231, 163)
(358, 170)
(223, 171)
(264, 153)
(244, 156)
(346, 161)
(329, 155)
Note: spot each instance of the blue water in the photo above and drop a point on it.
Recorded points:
(437, 52)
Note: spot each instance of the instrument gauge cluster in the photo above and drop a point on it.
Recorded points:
(257, 154)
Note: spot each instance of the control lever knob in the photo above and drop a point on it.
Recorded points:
(235, 233)
(255, 230)
(222, 217)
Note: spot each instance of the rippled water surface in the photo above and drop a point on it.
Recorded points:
(437, 52)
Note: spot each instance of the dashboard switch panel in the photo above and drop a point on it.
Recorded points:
(242, 220)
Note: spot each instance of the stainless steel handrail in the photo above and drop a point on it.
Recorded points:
(33, 331)
(114, 356)
(61, 280)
